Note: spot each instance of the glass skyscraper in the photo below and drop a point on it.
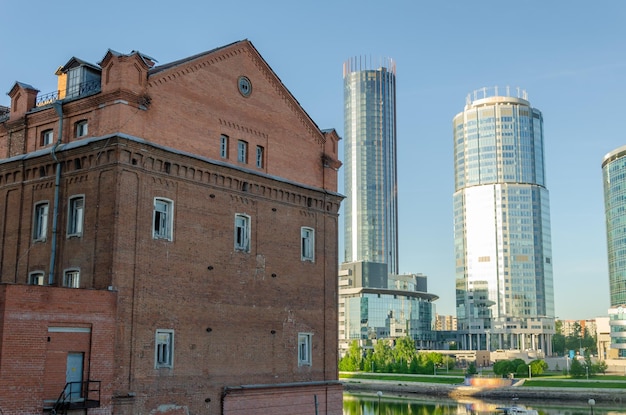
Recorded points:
(504, 287)
(374, 301)
(371, 204)
(614, 177)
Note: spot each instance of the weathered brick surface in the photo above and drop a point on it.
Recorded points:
(33, 358)
(236, 315)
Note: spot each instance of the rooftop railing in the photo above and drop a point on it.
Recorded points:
(495, 91)
(77, 91)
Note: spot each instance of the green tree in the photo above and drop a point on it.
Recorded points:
(352, 360)
(383, 356)
(537, 367)
(600, 367)
(558, 344)
(577, 369)
(503, 368)
(368, 361)
(448, 362)
(471, 369)
(404, 351)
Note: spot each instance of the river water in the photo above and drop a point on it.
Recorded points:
(368, 404)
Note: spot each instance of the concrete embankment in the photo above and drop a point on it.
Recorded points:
(523, 393)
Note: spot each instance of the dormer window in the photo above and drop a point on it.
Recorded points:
(80, 78)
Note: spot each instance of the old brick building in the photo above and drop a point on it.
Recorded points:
(168, 241)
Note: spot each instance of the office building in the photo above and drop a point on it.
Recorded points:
(375, 301)
(370, 177)
(614, 177)
(160, 250)
(398, 306)
(504, 287)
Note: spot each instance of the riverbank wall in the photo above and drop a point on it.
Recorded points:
(507, 393)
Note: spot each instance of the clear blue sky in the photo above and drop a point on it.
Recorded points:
(568, 55)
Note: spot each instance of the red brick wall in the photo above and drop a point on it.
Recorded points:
(284, 400)
(33, 359)
(236, 316)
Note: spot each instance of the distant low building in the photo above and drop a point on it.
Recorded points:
(445, 322)
(374, 306)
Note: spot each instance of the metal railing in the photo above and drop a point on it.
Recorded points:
(77, 395)
(76, 91)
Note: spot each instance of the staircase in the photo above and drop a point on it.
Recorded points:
(76, 395)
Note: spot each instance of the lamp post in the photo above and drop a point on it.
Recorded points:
(591, 403)
(379, 393)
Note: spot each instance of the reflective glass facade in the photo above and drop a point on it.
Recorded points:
(381, 316)
(614, 177)
(370, 207)
(505, 295)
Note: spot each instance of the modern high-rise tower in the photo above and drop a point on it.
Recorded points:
(375, 303)
(505, 295)
(614, 175)
(371, 204)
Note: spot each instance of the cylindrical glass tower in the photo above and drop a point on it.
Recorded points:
(614, 175)
(505, 295)
(371, 204)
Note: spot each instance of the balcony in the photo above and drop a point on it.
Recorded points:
(78, 91)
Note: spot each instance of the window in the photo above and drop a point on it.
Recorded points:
(259, 157)
(47, 137)
(40, 223)
(242, 232)
(242, 151)
(81, 128)
(71, 279)
(304, 349)
(164, 349)
(163, 216)
(308, 244)
(75, 216)
(36, 278)
(224, 146)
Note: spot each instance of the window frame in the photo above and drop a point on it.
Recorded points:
(307, 244)
(305, 349)
(71, 278)
(260, 157)
(224, 146)
(242, 151)
(47, 137)
(40, 221)
(81, 128)
(75, 216)
(166, 224)
(242, 238)
(164, 337)
(36, 274)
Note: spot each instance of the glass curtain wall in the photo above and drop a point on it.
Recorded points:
(614, 175)
(370, 207)
(504, 290)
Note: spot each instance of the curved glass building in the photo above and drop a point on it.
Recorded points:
(614, 177)
(504, 288)
(371, 204)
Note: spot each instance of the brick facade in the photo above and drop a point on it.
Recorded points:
(155, 133)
